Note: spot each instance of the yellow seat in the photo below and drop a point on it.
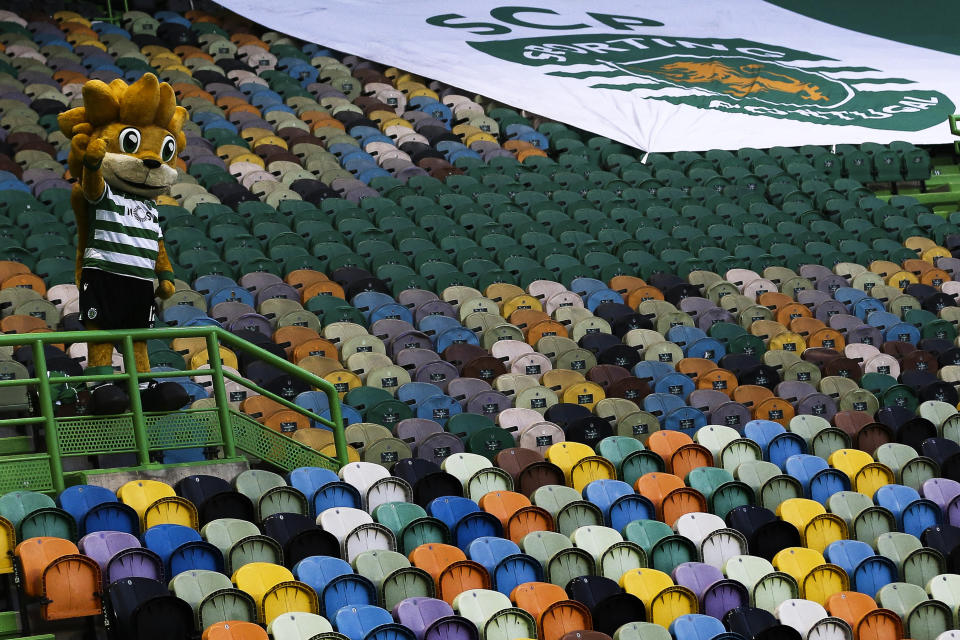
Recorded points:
(811, 519)
(8, 543)
(140, 494)
(788, 341)
(201, 358)
(567, 454)
(589, 469)
(586, 394)
(175, 510)
(866, 475)
(258, 578)
(289, 597)
(818, 580)
(523, 301)
(663, 600)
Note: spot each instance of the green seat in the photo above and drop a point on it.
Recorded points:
(410, 525)
(923, 618)
(768, 482)
(722, 492)
(917, 564)
(561, 561)
(617, 448)
(213, 597)
(17, 505)
(642, 631)
(240, 543)
(393, 576)
(568, 508)
(767, 587)
(270, 493)
(865, 521)
(300, 625)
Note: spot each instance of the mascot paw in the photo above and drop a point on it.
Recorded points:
(96, 150)
(165, 396)
(108, 399)
(165, 289)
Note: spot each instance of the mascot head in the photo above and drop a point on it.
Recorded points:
(142, 126)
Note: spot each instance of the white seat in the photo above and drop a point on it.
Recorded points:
(717, 542)
(340, 521)
(298, 625)
(595, 540)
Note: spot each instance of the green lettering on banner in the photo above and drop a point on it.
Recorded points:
(729, 75)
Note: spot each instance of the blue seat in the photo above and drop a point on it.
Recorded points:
(618, 502)
(231, 293)
(697, 626)
(868, 572)
(503, 560)
(819, 479)
(776, 443)
(913, 513)
(464, 519)
(358, 622)
(439, 408)
(335, 494)
(97, 509)
(164, 539)
(413, 393)
(307, 480)
(335, 583)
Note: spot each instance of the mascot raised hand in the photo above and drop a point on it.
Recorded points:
(124, 142)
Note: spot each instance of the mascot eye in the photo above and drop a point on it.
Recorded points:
(129, 140)
(169, 149)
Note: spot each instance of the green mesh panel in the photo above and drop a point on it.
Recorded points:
(276, 448)
(89, 435)
(183, 430)
(25, 473)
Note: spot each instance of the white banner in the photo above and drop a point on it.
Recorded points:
(661, 75)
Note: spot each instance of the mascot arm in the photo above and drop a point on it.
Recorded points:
(164, 271)
(90, 187)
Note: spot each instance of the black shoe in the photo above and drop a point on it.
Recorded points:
(108, 399)
(163, 396)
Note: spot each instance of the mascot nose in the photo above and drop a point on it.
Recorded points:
(150, 163)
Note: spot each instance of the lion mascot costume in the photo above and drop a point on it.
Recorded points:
(124, 143)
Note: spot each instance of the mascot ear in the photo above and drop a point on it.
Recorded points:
(165, 106)
(102, 106)
(69, 119)
(141, 100)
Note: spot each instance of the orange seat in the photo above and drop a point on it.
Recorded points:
(718, 380)
(695, 367)
(9, 268)
(450, 570)
(679, 452)
(516, 513)
(641, 294)
(316, 347)
(554, 613)
(861, 613)
(935, 277)
(792, 311)
(670, 496)
(625, 285)
(260, 407)
(287, 421)
(774, 300)
(751, 395)
(301, 278)
(68, 583)
(234, 630)
(545, 329)
(292, 337)
(22, 324)
(322, 288)
(774, 409)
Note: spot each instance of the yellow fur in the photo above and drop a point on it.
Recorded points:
(97, 157)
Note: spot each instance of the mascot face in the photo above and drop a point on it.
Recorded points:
(142, 128)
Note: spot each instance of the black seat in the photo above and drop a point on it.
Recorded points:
(766, 534)
(143, 608)
(300, 537)
(758, 624)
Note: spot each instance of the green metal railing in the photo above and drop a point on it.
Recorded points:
(221, 426)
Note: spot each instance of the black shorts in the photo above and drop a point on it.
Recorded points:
(110, 301)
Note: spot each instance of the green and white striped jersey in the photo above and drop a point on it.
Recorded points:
(124, 235)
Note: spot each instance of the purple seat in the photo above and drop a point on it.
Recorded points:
(433, 308)
(814, 271)
(794, 390)
(941, 491)
(717, 595)
(844, 321)
(103, 545)
(462, 389)
(258, 280)
(488, 403)
(414, 430)
(707, 399)
(436, 447)
(695, 306)
(829, 284)
(252, 322)
(732, 414)
(817, 404)
(389, 328)
(136, 562)
(709, 317)
(277, 290)
(419, 613)
(226, 312)
(412, 358)
(413, 298)
(827, 309)
(812, 297)
(437, 373)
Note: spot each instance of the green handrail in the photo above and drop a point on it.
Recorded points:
(215, 337)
